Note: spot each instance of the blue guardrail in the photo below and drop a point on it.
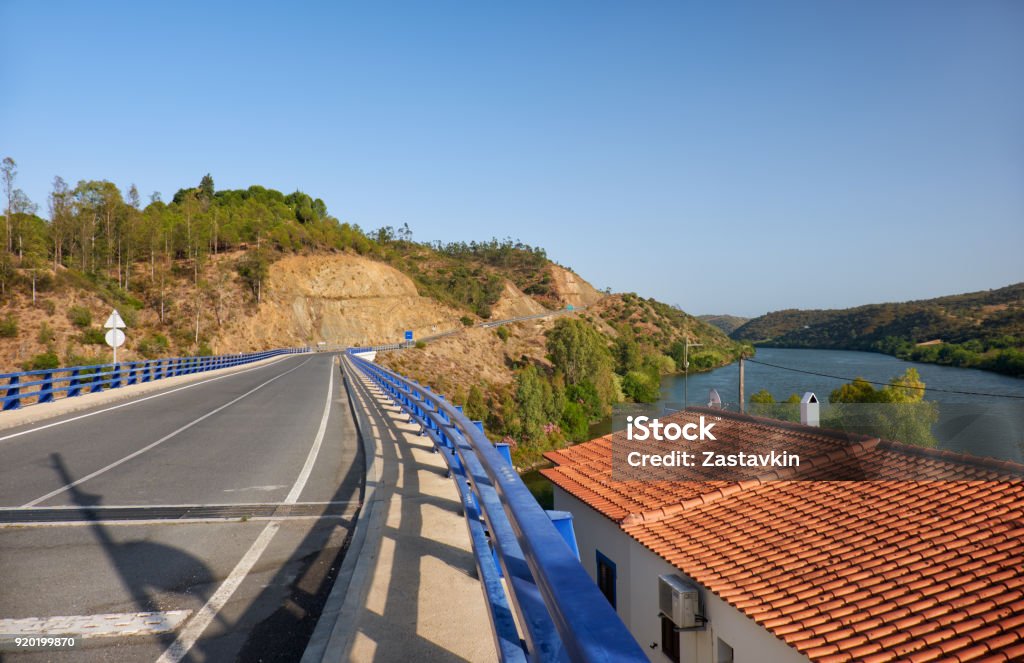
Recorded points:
(563, 615)
(46, 385)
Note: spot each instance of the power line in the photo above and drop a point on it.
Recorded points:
(884, 384)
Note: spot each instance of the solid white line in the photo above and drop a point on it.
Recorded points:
(163, 439)
(300, 483)
(137, 400)
(190, 634)
(110, 625)
(202, 619)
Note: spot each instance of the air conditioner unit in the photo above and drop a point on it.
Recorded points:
(679, 601)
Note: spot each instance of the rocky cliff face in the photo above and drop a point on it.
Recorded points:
(336, 299)
(571, 289)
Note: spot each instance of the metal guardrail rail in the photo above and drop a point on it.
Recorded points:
(45, 385)
(560, 611)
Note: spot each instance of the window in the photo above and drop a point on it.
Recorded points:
(606, 577)
(724, 652)
(669, 639)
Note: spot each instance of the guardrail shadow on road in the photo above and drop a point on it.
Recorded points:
(180, 572)
(280, 619)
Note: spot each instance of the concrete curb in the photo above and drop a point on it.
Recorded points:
(35, 413)
(335, 630)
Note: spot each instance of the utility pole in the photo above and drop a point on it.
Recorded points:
(686, 370)
(743, 407)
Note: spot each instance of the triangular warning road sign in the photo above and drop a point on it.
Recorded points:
(114, 321)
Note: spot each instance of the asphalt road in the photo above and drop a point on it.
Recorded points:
(221, 511)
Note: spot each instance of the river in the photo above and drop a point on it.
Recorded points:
(994, 426)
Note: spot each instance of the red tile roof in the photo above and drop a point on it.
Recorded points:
(879, 570)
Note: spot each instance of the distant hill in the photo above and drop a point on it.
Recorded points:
(979, 329)
(727, 323)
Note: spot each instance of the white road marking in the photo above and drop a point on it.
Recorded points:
(112, 625)
(149, 522)
(202, 619)
(75, 507)
(300, 483)
(260, 489)
(137, 400)
(54, 493)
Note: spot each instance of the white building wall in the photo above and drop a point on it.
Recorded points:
(637, 571)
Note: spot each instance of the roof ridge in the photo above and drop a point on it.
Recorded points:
(796, 426)
(994, 464)
(852, 450)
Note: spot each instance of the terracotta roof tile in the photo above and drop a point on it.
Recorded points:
(878, 570)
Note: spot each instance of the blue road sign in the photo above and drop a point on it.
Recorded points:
(408, 334)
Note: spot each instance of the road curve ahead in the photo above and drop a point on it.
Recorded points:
(197, 524)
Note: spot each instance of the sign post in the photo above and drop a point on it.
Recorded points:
(115, 337)
(408, 336)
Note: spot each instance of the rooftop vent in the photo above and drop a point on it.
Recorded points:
(809, 414)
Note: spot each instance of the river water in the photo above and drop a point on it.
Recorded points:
(968, 422)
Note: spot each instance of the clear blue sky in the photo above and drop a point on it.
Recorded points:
(726, 157)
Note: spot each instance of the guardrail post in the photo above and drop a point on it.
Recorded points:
(562, 521)
(505, 450)
(115, 376)
(75, 386)
(13, 400)
(95, 384)
(46, 391)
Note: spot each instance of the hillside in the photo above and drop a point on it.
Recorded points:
(229, 271)
(537, 396)
(727, 323)
(226, 270)
(978, 329)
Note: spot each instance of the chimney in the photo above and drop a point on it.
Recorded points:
(714, 400)
(809, 415)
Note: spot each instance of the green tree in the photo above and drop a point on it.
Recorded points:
(475, 408)
(643, 385)
(897, 411)
(206, 190)
(575, 423)
(254, 268)
(627, 352)
(61, 230)
(577, 350)
(530, 403)
(8, 172)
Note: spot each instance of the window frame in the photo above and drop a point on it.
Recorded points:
(602, 559)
